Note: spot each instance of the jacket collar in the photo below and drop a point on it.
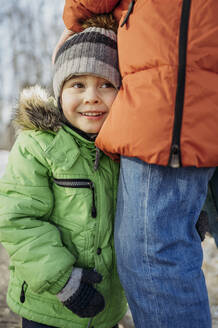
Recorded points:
(67, 146)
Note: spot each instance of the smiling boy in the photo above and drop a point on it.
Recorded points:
(86, 101)
(58, 195)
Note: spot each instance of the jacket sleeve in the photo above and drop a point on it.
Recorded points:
(77, 10)
(26, 201)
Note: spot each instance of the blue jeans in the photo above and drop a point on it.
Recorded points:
(159, 254)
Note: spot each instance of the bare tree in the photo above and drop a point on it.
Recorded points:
(29, 30)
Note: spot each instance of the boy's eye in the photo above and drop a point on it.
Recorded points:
(107, 85)
(77, 85)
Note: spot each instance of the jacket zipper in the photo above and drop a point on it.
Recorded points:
(97, 158)
(130, 9)
(23, 291)
(175, 152)
(79, 183)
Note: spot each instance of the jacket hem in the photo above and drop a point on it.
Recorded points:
(50, 320)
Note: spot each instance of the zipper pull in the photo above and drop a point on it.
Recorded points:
(94, 210)
(175, 158)
(22, 294)
(130, 9)
(97, 158)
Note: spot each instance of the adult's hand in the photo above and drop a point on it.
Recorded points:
(64, 36)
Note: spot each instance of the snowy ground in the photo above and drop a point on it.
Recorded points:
(210, 267)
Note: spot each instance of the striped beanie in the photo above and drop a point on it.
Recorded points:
(90, 52)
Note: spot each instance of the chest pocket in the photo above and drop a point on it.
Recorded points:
(73, 213)
(79, 184)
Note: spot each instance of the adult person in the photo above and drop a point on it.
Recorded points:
(163, 126)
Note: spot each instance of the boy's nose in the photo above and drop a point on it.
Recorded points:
(91, 97)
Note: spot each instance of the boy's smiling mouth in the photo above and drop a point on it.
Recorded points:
(93, 114)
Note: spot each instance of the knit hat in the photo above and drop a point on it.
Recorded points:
(90, 52)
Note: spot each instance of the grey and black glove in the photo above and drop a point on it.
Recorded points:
(79, 295)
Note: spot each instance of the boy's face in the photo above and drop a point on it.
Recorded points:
(86, 101)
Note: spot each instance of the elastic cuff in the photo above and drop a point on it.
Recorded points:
(60, 283)
(71, 286)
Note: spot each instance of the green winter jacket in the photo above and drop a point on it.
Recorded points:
(56, 213)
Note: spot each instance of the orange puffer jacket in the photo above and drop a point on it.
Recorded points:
(166, 111)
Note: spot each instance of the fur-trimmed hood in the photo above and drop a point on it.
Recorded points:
(37, 110)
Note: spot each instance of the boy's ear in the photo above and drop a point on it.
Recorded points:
(60, 97)
(60, 103)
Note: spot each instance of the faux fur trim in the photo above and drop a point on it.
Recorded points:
(106, 21)
(37, 110)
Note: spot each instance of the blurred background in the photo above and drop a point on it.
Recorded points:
(29, 31)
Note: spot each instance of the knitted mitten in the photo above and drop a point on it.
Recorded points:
(202, 224)
(79, 295)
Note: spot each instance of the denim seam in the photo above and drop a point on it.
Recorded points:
(146, 252)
